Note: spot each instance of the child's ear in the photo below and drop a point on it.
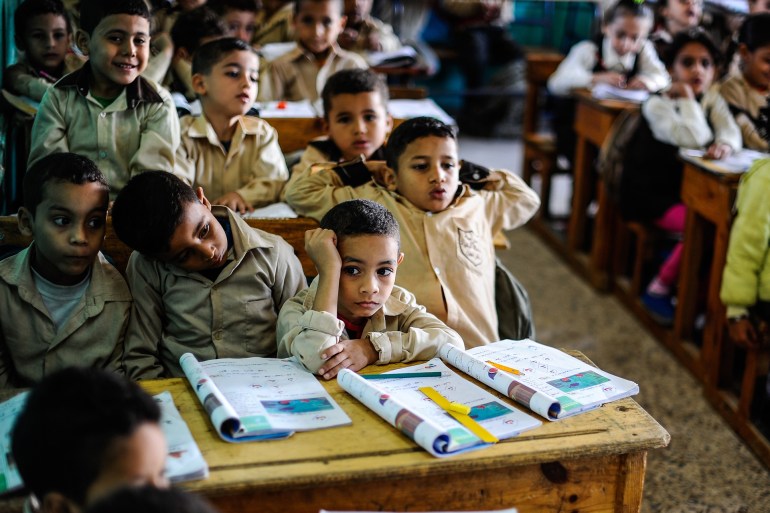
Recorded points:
(25, 222)
(400, 258)
(743, 51)
(82, 39)
(199, 84)
(202, 198)
(388, 126)
(325, 124)
(182, 54)
(343, 22)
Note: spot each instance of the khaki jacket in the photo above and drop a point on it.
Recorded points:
(389, 41)
(30, 345)
(740, 96)
(400, 331)
(254, 166)
(449, 262)
(177, 312)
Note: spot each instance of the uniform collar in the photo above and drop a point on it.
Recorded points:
(140, 90)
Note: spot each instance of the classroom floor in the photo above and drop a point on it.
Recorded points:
(706, 468)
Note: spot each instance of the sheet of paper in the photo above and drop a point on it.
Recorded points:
(184, 461)
(738, 162)
(406, 109)
(607, 92)
(275, 211)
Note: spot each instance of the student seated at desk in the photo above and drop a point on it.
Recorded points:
(622, 57)
(301, 73)
(446, 226)
(235, 158)
(43, 34)
(689, 114)
(61, 302)
(353, 314)
(363, 32)
(149, 499)
(203, 280)
(84, 433)
(356, 119)
(106, 111)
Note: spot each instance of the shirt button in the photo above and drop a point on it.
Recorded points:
(103, 115)
(218, 335)
(102, 154)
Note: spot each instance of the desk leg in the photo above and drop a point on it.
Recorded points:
(692, 252)
(601, 244)
(581, 191)
(713, 333)
(630, 487)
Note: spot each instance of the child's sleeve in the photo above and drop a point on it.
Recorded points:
(511, 204)
(306, 333)
(49, 131)
(145, 329)
(680, 122)
(726, 130)
(652, 72)
(736, 100)
(186, 157)
(19, 81)
(289, 278)
(314, 192)
(159, 139)
(268, 172)
(575, 71)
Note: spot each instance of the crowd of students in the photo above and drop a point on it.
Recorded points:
(404, 252)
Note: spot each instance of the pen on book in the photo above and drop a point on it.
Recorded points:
(430, 374)
(505, 368)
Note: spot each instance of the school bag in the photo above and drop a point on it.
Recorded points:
(613, 150)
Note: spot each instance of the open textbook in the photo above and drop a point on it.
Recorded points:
(549, 382)
(260, 398)
(402, 405)
(184, 461)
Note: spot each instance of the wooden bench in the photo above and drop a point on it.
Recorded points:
(292, 230)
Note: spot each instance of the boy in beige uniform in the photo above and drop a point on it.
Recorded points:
(301, 73)
(353, 315)
(363, 32)
(234, 158)
(446, 227)
(204, 282)
(61, 302)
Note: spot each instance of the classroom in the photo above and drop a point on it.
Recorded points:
(236, 175)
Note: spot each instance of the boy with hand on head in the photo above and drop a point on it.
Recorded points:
(446, 227)
(84, 433)
(353, 314)
(363, 32)
(203, 280)
(44, 34)
(235, 158)
(106, 110)
(61, 303)
(301, 73)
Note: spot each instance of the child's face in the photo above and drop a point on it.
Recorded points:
(118, 51)
(757, 6)
(683, 14)
(46, 41)
(136, 460)
(368, 274)
(428, 173)
(357, 10)
(627, 34)
(68, 228)
(199, 242)
(318, 24)
(756, 66)
(231, 86)
(358, 123)
(240, 24)
(694, 66)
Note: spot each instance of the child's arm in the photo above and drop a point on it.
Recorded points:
(575, 71)
(49, 131)
(18, 80)
(314, 192)
(159, 139)
(509, 201)
(677, 120)
(727, 134)
(652, 74)
(737, 102)
(268, 172)
(160, 57)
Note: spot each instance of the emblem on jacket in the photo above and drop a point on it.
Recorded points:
(469, 246)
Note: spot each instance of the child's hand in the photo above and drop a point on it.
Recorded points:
(321, 247)
(742, 333)
(680, 90)
(718, 151)
(609, 77)
(234, 202)
(352, 354)
(347, 38)
(637, 84)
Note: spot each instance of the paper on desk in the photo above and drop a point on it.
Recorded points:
(603, 91)
(738, 162)
(403, 57)
(184, 461)
(407, 109)
(401, 404)
(285, 109)
(275, 211)
(9, 473)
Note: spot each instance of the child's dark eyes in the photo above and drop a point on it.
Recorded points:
(96, 223)
(351, 270)
(370, 117)
(204, 231)
(343, 119)
(689, 62)
(447, 165)
(385, 271)
(61, 221)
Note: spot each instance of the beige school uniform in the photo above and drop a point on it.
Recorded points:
(138, 131)
(449, 262)
(277, 29)
(740, 96)
(370, 26)
(30, 345)
(400, 331)
(253, 167)
(176, 311)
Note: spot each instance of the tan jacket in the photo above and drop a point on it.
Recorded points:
(296, 75)
(277, 29)
(30, 345)
(177, 312)
(254, 166)
(400, 331)
(741, 96)
(449, 262)
(139, 131)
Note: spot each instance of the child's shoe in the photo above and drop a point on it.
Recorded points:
(659, 307)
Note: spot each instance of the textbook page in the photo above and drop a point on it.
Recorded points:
(261, 398)
(402, 405)
(184, 461)
(9, 473)
(550, 382)
(602, 91)
(737, 163)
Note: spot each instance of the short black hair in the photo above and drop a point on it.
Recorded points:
(92, 12)
(150, 499)
(361, 217)
(63, 438)
(214, 51)
(353, 81)
(31, 8)
(755, 31)
(298, 5)
(148, 209)
(221, 7)
(58, 168)
(628, 8)
(410, 130)
(692, 35)
(192, 26)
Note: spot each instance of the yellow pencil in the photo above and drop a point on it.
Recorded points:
(505, 368)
